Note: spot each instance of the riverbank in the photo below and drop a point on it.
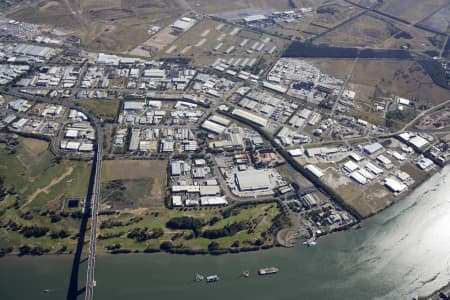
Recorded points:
(242, 227)
(445, 290)
(396, 254)
(115, 231)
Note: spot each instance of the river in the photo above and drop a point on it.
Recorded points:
(400, 253)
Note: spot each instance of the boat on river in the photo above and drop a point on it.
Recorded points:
(212, 278)
(199, 277)
(268, 271)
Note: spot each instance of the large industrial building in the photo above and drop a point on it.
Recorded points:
(372, 148)
(183, 24)
(252, 180)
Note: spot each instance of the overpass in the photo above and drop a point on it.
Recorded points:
(90, 282)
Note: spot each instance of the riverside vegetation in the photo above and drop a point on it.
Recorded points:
(36, 215)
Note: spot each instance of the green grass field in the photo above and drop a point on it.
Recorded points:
(38, 188)
(140, 183)
(261, 215)
(103, 109)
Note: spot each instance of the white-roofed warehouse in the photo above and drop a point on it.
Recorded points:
(212, 126)
(372, 148)
(251, 180)
(395, 185)
(314, 170)
(250, 117)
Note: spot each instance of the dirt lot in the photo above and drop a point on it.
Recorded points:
(401, 78)
(219, 6)
(439, 21)
(136, 183)
(435, 121)
(338, 68)
(157, 42)
(104, 24)
(55, 13)
(364, 31)
(104, 109)
(416, 39)
(365, 201)
(334, 13)
(371, 77)
(366, 3)
(412, 10)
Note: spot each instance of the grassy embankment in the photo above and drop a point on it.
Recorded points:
(255, 229)
(103, 109)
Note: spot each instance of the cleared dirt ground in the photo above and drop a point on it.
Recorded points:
(401, 78)
(436, 121)
(144, 181)
(364, 31)
(439, 21)
(54, 13)
(157, 42)
(219, 6)
(338, 68)
(365, 200)
(412, 10)
(111, 25)
(338, 12)
(416, 39)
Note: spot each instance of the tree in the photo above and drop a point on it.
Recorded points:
(62, 249)
(55, 218)
(186, 223)
(166, 246)
(33, 231)
(59, 235)
(213, 246)
(214, 220)
(24, 250)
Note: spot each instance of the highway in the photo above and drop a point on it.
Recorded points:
(95, 198)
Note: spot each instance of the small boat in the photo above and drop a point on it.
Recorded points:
(267, 271)
(46, 290)
(199, 277)
(212, 278)
(309, 243)
(246, 273)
